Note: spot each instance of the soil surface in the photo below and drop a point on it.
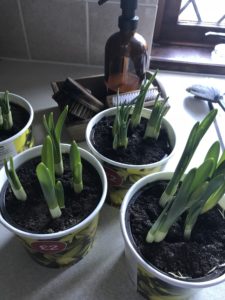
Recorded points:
(33, 214)
(194, 258)
(138, 151)
(20, 118)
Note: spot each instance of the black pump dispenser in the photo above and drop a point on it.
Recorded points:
(125, 52)
(128, 20)
(128, 8)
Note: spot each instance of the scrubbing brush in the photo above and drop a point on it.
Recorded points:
(130, 97)
(82, 104)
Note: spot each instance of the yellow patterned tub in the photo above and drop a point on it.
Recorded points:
(122, 176)
(149, 281)
(62, 248)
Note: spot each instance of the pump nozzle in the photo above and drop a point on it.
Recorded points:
(127, 21)
(128, 7)
(100, 2)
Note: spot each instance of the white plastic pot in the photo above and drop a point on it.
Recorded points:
(122, 176)
(65, 247)
(149, 281)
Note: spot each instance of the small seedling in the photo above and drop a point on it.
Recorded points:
(154, 122)
(195, 136)
(201, 190)
(54, 131)
(130, 116)
(52, 190)
(14, 181)
(76, 168)
(120, 126)
(139, 101)
(6, 120)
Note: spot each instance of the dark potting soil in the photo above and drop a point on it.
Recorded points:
(20, 118)
(194, 258)
(33, 214)
(138, 151)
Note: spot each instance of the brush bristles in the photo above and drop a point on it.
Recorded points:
(130, 96)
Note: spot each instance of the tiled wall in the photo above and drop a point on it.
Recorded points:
(71, 31)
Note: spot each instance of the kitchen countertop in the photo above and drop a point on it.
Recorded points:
(101, 275)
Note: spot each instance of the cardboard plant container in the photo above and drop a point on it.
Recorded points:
(61, 248)
(148, 280)
(121, 176)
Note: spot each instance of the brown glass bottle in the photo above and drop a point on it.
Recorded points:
(125, 61)
(125, 52)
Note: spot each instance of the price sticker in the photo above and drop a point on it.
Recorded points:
(48, 246)
(113, 177)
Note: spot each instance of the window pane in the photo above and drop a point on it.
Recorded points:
(207, 12)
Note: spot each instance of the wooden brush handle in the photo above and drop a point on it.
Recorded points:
(55, 87)
(93, 100)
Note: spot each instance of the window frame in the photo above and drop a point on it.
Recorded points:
(176, 52)
(169, 32)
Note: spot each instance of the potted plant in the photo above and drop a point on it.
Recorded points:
(173, 225)
(131, 141)
(16, 117)
(51, 196)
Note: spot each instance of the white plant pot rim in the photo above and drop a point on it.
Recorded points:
(26, 105)
(180, 283)
(34, 152)
(110, 112)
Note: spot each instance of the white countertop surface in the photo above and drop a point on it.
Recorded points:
(101, 275)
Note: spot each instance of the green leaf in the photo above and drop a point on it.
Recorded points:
(55, 133)
(60, 123)
(120, 126)
(220, 169)
(51, 125)
(200, 191)
(197, 201)
(136, 115)
(222, 158)
(205, 124)
(14, 181)
(215, 192)
(214, 151)
(203, 172)
(76, 167)
(6, 121)
(48, 189)
(172, 210)
(59, 191)
(154, 123)
(195, 136)
(47, 156)
(180, 168)
(152, 233)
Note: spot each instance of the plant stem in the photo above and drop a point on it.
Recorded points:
(14, 181)
(195, 136)
(76, 168)
(6, 112)
(139, 103)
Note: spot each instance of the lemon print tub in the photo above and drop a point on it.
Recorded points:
(122, 176)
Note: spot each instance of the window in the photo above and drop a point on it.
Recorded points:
(186, 33)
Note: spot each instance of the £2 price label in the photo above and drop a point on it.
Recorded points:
(48, 246)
